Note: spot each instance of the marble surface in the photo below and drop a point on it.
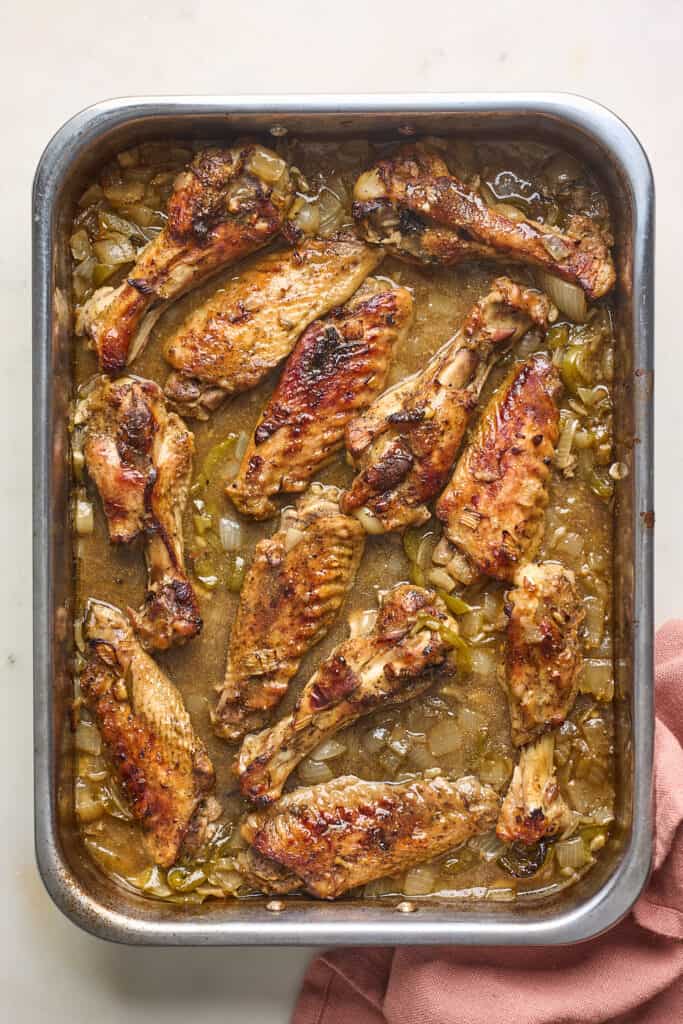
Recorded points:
(56, 58)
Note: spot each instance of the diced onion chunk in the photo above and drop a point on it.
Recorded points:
(230, 533)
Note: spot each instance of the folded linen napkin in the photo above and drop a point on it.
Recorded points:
(633, 973)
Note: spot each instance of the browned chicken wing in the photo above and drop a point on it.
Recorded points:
(533, 807)
(231, 342)
(163, 767)
(543, 649)
(405, 444)
(492, 509)
(391, 665)
(296, 585)
(338, 365)
(348, 832)
(411, 204)
(227, 204)
(139, 456)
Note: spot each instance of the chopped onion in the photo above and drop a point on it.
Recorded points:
(312, 772)
(362, 623)
(423, 556)
(115, 802)
(442, 553)
(420, 756)
(419, 881)
(230, 533)
(375, 739)
(444, 738)
(88, 739)
(114, 249)
(488, 846)
(78, 462)
(327, 750)
(307, 217)
(571, 853)
(569, 298)
(570, 544)
(460, 568)
(483, 662)
(266, 165)
(594, 621)
(440, 578)
(80, 245)
(332, 212)
(597, 678)
(241, 444)
(84, 517)
(370, 523)
(399, 742)
(89, 805)
(564, 445)
(471, 722)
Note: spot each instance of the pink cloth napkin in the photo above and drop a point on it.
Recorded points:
(633, 973)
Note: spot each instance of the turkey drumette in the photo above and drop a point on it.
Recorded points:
(405, 444)
(533, 807)
(139, 456)
(394, 663)
(162, 765)
(228, 203)
(413, 206)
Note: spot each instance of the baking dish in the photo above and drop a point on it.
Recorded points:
(72, 880)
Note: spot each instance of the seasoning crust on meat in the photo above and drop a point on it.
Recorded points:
(338, 365)
(492, 509)
(163, 767)
(227, 204)
(296, 585)
(347, 832)
(397, 661)
(543, 653)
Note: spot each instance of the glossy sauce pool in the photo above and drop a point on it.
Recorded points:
(462, 725)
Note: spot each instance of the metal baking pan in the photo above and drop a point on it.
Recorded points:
(607, 892)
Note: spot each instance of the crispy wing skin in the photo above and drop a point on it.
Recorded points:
(163, 767)
(347, 832)
(337, 367)
(412, 205)
(139, 456)
(296, 585)
(543, 654)
(405, 444)
(228, 203)
(533, 806)
(391, 665)
(246, 329)
(492, 509)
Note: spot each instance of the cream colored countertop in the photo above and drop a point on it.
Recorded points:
(56, 58)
